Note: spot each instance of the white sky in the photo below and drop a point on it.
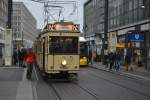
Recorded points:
(37, 10)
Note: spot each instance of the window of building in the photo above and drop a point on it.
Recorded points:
(135, 15)
(135, 4)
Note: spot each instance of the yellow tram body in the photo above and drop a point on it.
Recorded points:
(83, 52)
(83, 61)
(57, 49)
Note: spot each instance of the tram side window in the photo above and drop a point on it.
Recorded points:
(65, 45)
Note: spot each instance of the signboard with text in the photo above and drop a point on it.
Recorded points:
(136, 37)
(64, 27)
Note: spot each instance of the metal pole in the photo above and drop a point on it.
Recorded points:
(9, 13)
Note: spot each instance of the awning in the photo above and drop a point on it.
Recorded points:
(120, 45)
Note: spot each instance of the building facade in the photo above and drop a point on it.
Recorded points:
(125, 18)
(94, 24)
(3, 24)
(129, 19)
(24, 26)
(3, 12)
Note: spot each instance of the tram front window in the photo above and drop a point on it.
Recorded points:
(61, 45)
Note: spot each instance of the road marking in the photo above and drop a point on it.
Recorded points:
(37, 78)
(10, 67)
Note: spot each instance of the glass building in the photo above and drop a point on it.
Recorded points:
(3, 24)
(94, 24)
(24, 26)
(124, 17)
(3, 12)
(127, 17)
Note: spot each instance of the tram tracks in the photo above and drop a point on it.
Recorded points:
(117, 84)
(132, 78)
(58, 97)
(56, 91)
(89, 91)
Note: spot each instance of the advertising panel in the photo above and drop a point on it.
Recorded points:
(8, 47)
(136, 37)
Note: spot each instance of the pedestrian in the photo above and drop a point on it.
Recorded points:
(20, 56)
(118, 60)
(114, 60)
(111, 61)
(24, 52)
(127, 61)
(15, 57)
(107, 60)
(90, 56)
(30, 60)
(94, 56)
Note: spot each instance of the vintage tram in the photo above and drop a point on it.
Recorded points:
(57, 49)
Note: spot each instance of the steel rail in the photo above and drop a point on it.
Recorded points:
(125, 87)
(119, 73)
(89, 91)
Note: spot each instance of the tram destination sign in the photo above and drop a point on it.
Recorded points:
(63, 27)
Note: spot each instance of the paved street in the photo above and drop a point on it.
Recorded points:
(137, 72)
(9, 81)
(92, 84)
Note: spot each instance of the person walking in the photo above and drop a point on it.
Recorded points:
(127, 61)
(111, 61)
(20, 56)
(30, 60)
(118, 60)
(15, 57)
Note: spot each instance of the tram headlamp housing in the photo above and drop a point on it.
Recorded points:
(64, 62)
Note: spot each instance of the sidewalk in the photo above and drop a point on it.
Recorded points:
(138, 72)
(14, 85)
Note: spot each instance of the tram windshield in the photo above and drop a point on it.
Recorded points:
(83, 49)
(63, 45)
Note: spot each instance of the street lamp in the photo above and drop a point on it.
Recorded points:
(143, 4)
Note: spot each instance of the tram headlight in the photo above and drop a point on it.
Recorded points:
(64, 62)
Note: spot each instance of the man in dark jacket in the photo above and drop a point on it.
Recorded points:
(127, 61)
(111, 59)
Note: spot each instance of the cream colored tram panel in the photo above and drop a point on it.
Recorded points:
(55, 63)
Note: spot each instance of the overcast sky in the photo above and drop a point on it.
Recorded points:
(37, 10)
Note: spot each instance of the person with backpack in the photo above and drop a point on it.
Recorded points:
(30, 60)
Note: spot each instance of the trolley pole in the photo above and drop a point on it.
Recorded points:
(105, 38)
